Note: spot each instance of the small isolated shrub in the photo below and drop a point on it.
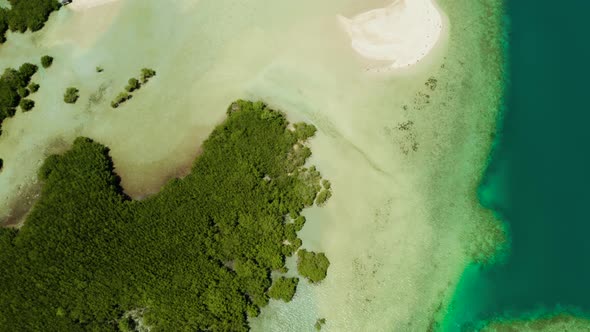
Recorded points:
(27, 104)
(133, 84)
(319, 323)
(146, 74)
(71, 95)
(46, 61)
(99, 69)
(121, 98)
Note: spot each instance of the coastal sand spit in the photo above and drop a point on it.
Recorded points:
(402, 33)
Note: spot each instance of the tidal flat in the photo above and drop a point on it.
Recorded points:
(404, 150)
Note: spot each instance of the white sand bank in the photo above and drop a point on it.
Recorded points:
(79, 5)
(403, 32)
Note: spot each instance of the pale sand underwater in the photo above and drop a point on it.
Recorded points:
(404, 152)
(79, 5)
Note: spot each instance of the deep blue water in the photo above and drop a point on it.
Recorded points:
(538, 180)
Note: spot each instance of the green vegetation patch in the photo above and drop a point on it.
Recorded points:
(25, 15)
(323, 197)
(46, 61)
(71, 95)
(23, 92)
(34, 87)
(120, 99)
(320, 323)
(26, 71)
(283, 289)
(133, 84)
(147, 73)
(299, 222)
(26, 105)
(197, 256)
(13, 87)
(313, 266)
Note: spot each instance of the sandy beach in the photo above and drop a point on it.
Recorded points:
(402, 33)
(79, 5)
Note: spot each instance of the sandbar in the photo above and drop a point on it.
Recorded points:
(402, 33)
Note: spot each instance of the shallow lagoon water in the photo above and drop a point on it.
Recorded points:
(404, 158)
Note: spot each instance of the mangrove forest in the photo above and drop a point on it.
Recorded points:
(204, 254)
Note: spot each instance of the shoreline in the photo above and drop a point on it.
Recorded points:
(402, 33)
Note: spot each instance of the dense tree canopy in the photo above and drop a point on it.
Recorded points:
(323, 196)
(27, 70)
(25, 14)
(23, 92)
(13, 87)
(283, 289)
(313, 266)
(197, 256)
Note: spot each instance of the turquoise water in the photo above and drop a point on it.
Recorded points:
(538, 177)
